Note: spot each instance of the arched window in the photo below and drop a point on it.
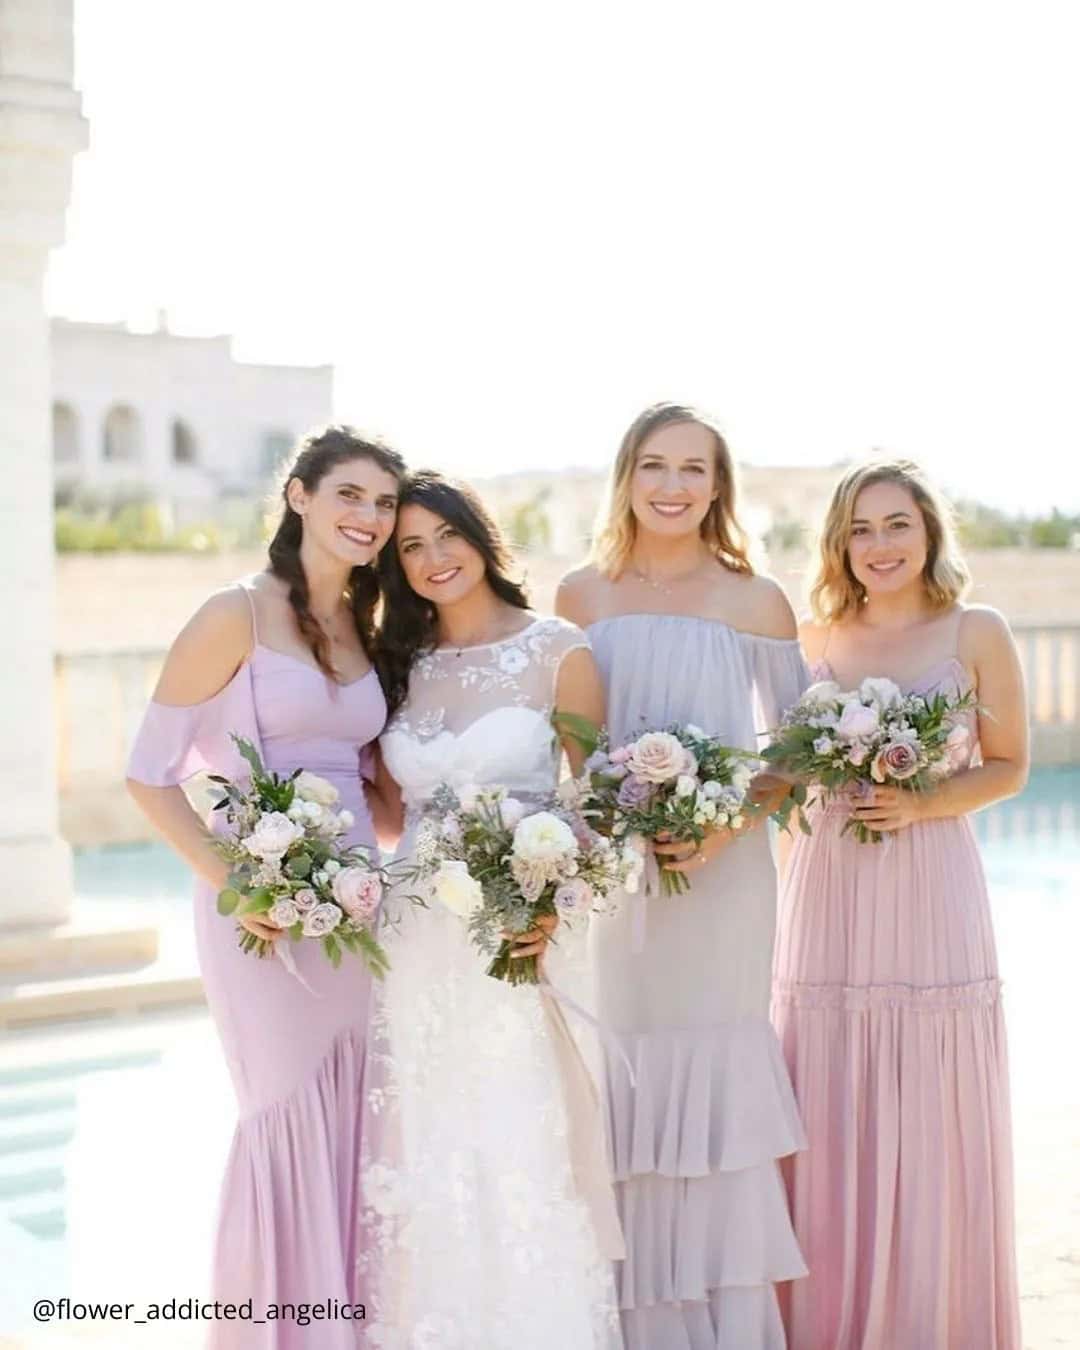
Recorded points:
(65, 435)
(184, 449)
(123, 435)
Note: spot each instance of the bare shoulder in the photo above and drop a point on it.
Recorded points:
(209, 649)
(577, 597)
(765, 609)
(812, 637)
(984, 632)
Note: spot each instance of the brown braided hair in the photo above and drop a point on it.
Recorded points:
(318, 453)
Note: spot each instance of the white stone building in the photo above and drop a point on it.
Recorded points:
(174, 418)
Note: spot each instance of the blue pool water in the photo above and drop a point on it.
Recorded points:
(113, 1135)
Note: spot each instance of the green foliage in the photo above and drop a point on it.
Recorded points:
(135, 524)
(527, 523)
(986, 527)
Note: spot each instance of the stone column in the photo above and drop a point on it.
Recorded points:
(41, 129)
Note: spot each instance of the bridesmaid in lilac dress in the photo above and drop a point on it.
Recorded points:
(283, 659)
(886, 995)
(684, 631)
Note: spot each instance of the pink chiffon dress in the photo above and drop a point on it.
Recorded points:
(288, 1218)
(887, 1002)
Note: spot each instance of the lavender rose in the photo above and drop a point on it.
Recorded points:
(897, 760)
(574, 897)
(633, 792)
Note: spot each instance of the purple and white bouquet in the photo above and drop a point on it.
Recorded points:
(679, 784)
(501, 865)
(289, 868)
(848, 742)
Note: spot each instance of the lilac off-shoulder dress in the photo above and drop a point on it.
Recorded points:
(288, 1220)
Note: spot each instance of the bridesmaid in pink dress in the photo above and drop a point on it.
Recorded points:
(283, 659)
(886, 994)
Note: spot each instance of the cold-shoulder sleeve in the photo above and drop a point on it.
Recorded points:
(176, 742)
(780, 677)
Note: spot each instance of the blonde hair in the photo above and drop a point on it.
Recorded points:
(835, 593)
(616, 525)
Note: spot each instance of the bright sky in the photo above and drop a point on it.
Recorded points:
(838, 225)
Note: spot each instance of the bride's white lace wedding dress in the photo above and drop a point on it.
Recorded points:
(486, 1226)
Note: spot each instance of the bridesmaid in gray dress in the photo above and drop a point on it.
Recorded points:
(684, 631)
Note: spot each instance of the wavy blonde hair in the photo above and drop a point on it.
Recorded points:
(835, 593)
(616, 525)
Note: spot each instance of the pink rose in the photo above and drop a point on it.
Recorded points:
(659, 757)
(621, 755)
(857, 721)
(305, 900)
(897, 760)
(856, 754)
(358, 892)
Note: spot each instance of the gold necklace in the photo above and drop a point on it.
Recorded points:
(666, 587)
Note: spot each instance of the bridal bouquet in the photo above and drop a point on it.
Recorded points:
(679, 783)
(501, 865)
(288, 867)
(847, 742)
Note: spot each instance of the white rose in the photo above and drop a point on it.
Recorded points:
(346, 820)
(331, 867)
(825, 691)
(712, 789)
(283, 914)
(685, 786)
(699, 818)
(456, 889)
(737, 822)
(305, 900)
(882, 693)
(543, 837)
(321, 920)
(708, 809)
(311, 788)
(298, 810)
(272, 836)
(857, 721)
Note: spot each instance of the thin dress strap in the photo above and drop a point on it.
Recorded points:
(251, 606)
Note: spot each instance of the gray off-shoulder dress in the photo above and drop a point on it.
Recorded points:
(696, 1134)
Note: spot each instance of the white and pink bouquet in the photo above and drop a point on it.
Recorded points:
(289, 868)
(678, 784)
(501, 865)
(847, 742)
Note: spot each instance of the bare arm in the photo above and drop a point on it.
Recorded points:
(579, 690)
(201, 661)
(988, 647)
(385, 804)
(1003, 722)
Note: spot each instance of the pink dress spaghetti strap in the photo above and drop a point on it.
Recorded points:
(288, 1216)
(887, 1002)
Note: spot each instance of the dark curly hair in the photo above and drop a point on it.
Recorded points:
(409, 622)
(317, 454)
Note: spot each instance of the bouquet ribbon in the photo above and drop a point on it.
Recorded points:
(607, 1037)
(639, 900)
(281, 947)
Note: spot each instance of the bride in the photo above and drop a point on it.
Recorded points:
(488, 1216)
